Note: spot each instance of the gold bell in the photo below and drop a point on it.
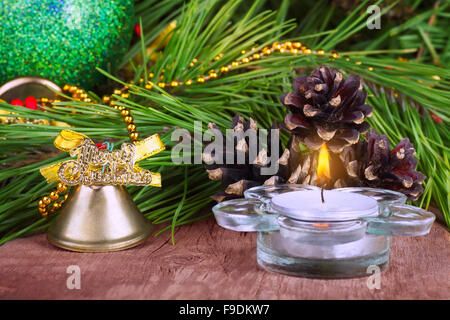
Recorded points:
(99, 219)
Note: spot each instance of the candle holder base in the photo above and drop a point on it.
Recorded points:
(305, 260)
(347, 237)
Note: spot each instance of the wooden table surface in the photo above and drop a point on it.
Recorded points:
(209, 262)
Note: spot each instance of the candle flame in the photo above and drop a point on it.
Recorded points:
(323, 166)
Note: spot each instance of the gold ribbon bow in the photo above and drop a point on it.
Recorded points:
(103, 167)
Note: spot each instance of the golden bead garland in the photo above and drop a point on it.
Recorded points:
(295, 48)
(50, 203)
(124, 112)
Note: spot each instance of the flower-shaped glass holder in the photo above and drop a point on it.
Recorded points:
(244, 215)
(253, 213)
(326, 248)
(266, 193)
(395, 217)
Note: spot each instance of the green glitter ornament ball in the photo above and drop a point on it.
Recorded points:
(63, 40)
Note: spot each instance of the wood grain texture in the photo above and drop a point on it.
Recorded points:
(209, 262)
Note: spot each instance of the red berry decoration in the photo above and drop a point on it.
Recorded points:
(17, 102)
(137, 30)
(101, 146)
(31, 103)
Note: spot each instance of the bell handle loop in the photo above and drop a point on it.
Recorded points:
(245, 215)
(403, 220)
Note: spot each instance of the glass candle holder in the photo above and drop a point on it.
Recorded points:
(339, 238)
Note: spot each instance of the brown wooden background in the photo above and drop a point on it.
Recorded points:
(209, 262)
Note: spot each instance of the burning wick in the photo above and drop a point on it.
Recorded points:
(321, 193)
(323, 169)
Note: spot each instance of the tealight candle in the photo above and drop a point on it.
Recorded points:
(341, 237)
(338, 206)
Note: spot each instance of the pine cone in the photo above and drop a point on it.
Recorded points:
(371, 163)
(236, 178)
(326, 108)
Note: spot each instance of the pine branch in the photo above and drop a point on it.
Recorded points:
(204, 30)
